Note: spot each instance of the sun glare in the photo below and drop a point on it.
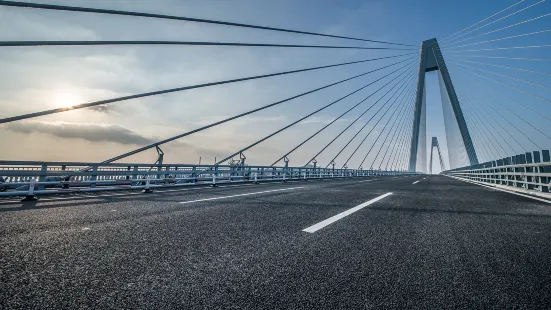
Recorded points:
(64, 100)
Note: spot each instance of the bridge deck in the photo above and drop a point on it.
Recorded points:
(432, 244)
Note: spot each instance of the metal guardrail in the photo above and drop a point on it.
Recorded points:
(529, 172)
(31, 178)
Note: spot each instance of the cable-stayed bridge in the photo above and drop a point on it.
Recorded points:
(345, 215)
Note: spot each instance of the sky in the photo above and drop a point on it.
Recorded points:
(38, 78)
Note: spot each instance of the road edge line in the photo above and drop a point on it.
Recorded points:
(500, 189)
(240, 195)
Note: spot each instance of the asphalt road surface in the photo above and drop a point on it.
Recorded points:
(379, 243)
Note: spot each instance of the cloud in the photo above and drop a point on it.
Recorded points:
(89, 132)
(102, 108)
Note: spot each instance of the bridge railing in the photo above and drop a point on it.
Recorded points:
(29, 178)
(529, 172)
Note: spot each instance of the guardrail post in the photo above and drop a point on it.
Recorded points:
(529, 170)
(42, 177)
(522, 170)
(160, 163)
(249, 171)
(65, 179)
(193, 174)
(504, 175)
(499, 171)
(537, 171)
(261, 173)
(518, 171)
(214, 176)
(490, 171)
(147, 188)
(94, 176)
(287, 167)
(30, 194)
(134, 174)
(546, 169)
(494, 172)
(510, 171)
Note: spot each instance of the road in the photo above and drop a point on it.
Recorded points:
(439, 243)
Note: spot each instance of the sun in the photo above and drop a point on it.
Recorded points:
(66, 99)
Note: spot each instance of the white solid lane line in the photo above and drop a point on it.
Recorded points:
(367, 181)
(246, 194)
(416, 182)
(331, 220)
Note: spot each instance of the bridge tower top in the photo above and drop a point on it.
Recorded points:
(462, 149)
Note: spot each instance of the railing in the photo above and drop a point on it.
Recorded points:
(29, 178)
(529, 172)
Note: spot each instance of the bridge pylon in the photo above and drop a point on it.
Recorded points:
(437, 146)
(460, 146)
